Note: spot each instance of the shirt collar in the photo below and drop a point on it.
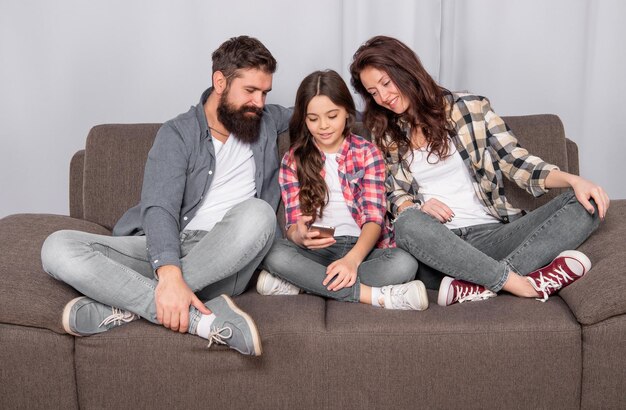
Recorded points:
(343, 150)
(201, 115)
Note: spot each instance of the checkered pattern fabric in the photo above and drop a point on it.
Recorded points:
(362, 176)
(489, 150)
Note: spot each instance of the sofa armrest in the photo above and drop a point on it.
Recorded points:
(28, 295)
(599, 294)
(572, 157)
(77, 166)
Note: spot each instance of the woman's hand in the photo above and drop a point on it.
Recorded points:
(583, 189)
(300, 235)
(437, 210)
(344, 272)
(404, 206)
(586, 190)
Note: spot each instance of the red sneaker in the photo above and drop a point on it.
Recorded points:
(565, 269)
(454, 290)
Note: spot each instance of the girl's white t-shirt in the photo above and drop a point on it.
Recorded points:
(336, 212)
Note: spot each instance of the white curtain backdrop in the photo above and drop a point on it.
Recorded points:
(70, 64)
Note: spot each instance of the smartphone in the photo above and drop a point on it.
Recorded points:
(325, 231)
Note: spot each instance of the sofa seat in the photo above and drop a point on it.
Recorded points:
(490, 343)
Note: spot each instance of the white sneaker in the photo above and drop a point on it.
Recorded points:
(268, 285)
(407, 296)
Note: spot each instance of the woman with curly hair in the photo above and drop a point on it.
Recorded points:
(446, 156)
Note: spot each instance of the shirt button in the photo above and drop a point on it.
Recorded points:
(210, 172)
(156, 261)
(185, 218)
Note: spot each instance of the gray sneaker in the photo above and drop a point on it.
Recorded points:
(268, 284)
(84, 317)
(233, 327)
(407, 296)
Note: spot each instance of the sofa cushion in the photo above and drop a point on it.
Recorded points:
(28, 295)
(154, 362)
(37, 369)
(459, 355)
(600, 293)
(504, 344)
(115, 156)
(604, 364)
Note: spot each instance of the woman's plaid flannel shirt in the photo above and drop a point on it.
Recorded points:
(362, 175)
(489, 150)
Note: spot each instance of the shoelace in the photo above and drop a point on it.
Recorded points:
(117, 317)
(467, 294)
(283, 287)
(396, 296)
(552, 280)
(216, 336)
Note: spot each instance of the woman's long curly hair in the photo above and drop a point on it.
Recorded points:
(427, 100)
(313, 190)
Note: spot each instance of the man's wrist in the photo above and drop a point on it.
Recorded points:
(167, 272)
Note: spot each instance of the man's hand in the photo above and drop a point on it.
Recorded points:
(173, 298)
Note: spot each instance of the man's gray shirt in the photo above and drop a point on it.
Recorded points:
(179, 171)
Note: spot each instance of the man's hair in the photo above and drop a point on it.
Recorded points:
(242, 52)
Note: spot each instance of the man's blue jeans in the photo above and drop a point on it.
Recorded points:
(116, 270)
(486, 254)
(306, 268)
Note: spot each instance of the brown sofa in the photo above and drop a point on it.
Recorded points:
(569, 352)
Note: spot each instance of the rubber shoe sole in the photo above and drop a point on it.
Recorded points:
(256, 337)
(66, 316)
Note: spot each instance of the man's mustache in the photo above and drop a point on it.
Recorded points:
(256, 110)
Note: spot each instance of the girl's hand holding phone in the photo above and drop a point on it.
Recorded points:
(306, 238)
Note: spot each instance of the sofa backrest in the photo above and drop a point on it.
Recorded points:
(106, 178)
(115, 156)
(542, 135)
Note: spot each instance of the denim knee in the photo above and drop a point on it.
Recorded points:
(412, 225)
(569, 198)
(257, 216)
(278, 256)
(54, 252)
(402, 267)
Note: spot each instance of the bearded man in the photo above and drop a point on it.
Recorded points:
(206, 219)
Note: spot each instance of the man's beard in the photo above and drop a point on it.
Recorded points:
(244, 126)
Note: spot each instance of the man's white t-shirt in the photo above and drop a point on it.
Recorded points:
(232, 183)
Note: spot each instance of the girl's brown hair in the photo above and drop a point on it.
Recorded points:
(427, 102)
(313, 190)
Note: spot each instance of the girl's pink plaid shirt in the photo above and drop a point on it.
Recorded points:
(362, 175)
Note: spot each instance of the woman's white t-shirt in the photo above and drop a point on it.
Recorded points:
(448, 180)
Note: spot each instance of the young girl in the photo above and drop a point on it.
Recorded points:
(334, 178)
(446, 155)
